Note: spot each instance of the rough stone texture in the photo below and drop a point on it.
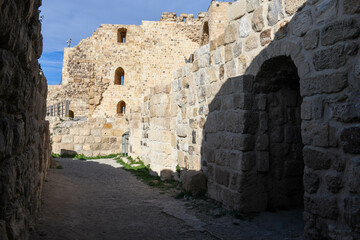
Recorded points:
(339, 31)
(255, 108)
(24, 133)
(330, 58)
(351, 6)
(292, 6)
(258, 20)
(350, 138)
(275, 12)
(302, 23)
(251, 5)
(194, 183)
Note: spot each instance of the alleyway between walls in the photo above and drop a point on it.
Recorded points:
(99, 200)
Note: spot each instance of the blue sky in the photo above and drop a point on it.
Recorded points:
(78, 19)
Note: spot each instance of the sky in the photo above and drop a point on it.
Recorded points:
(78, 19)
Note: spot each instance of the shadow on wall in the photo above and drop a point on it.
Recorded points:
(284, 113)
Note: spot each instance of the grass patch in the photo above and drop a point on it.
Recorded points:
(142, 172)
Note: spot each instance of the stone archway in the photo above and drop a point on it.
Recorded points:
(279, 146)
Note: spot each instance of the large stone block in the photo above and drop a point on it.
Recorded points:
(351, 6)
(324, 206)
(275, 12)
(257, 22)
(311, 39)
(302, 23)
(292, 6)
(323, 84)
(339, 31)
(311, 181)
(251, 5)
(236, 10)
(244, 27)
(222, 176)
(329, 58)
(316, 159)
(194, 182)
(230, 33)
(350, 139)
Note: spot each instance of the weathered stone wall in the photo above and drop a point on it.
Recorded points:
(91, 137)
(24, 133)
(227, 121)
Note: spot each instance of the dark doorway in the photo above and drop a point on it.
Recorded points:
(277, 87)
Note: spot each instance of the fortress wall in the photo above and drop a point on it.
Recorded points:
(25, 150)
(224, 115)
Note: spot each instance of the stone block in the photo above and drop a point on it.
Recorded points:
(236, 49)
(251, 5)
(262, 142)
(230, 33)
(302, 23)
(315, 133)
(282, 30)
(228, 53)
(351, 6)
(84, 132)
(311, 39)
(329, 58)
(251, 43)
(352, 212)
(243, 101)
(306, 109)
(339, 31)
(68, 139)
(55, 139)
(194, 182)
(292, 6)
(79, 139)
(236, 10)
(350, 140)
(334, 182)
(244, 142)
(222, 176)
(311, 181)
(316, 159)
(257, 21)
(244, 27)
(323, 84)
(275, 12)
(262, 162)
(265, 37)
(325, 207)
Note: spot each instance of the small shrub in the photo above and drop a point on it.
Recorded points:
(55, 155)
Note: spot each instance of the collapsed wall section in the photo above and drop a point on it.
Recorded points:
(24, 133)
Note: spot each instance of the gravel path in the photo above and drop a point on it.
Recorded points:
(99, 200)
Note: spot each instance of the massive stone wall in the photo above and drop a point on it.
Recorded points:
(277, 91)
(24, 133)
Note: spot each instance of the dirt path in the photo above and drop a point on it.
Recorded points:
(99, 200)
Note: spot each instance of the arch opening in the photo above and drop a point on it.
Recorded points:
(71, 114)
(205, 36)
(122, 35)
(121, 107)
(119, 76)
(277, 86)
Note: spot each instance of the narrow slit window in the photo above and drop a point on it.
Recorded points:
(122, 35)
(119, 76)
(121, 107)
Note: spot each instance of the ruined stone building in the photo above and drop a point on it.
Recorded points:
(266, 105)
(24, 134)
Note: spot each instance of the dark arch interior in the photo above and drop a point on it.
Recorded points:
(71, 114)
(205, 34)
(279, 85)
(122, 35)
(121, 106)
(119, 76)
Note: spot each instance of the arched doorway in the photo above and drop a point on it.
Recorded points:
(279, 145)
(71, 114)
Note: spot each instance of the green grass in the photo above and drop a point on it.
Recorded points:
(142, 172)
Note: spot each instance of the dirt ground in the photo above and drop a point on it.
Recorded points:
(99, 200)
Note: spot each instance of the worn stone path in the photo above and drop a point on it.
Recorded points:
(99, 200)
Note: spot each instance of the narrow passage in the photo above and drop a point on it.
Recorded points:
(99, 200)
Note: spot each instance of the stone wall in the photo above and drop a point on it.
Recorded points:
(91, 137)
(277, 91)
(24, 133)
